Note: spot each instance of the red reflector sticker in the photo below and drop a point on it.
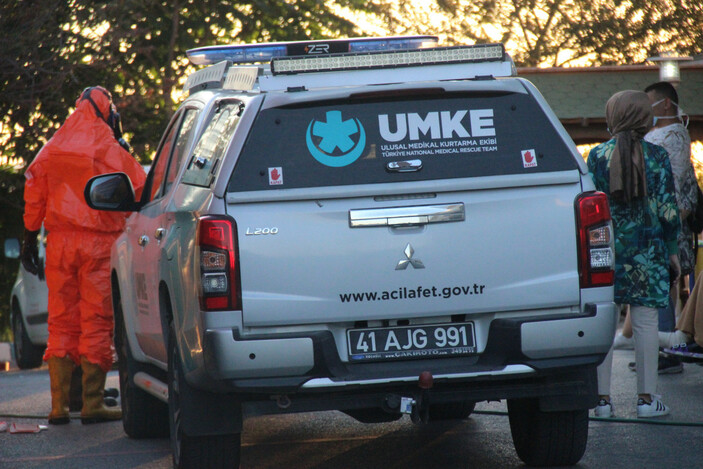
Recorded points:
(529, 158)
(276, 176)
(602, 278)
(216, 302)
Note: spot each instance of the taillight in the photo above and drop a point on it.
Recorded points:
(596, 243)
(219, 282)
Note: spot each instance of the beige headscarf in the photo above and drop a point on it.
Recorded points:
(629, 117)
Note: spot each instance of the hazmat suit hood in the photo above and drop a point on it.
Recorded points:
(99, 98)
(83, 147)
(85, 128)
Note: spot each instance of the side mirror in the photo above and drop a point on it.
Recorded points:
(12, 248)
(111, 192)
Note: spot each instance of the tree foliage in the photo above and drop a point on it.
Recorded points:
(52, 49)
(40, 59)
(562, 32)
(146, 43)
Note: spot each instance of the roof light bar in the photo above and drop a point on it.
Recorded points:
(249, 53)
(253, 53)
(388, 59)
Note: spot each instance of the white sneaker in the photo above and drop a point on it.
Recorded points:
(604, 409)
(623, 343)
(674, 339)
(656, 408)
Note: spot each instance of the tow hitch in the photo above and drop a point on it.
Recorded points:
(418, 407)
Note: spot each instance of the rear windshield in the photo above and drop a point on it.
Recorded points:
(401, 139)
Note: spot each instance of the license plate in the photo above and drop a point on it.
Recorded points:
(407, 342)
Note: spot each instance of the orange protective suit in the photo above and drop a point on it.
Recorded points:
(78, 246)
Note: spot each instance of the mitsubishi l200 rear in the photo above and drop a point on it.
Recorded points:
(386, 229)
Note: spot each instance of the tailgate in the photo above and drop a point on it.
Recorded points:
(512, 248)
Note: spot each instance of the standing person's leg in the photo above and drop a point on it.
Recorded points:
(667, 324)
(97, 320)
(690, 323)
(605, 407)
(63, 323)
(623, 340)
(627, 324)
(684, 329)
(644, 326)
(64, 311)
(97, 325)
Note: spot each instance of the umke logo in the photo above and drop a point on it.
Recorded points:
(337, 142)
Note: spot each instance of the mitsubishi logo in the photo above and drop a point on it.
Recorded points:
(403, 263)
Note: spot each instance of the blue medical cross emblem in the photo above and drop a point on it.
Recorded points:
(336, 137)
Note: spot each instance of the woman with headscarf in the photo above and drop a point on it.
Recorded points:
(636, 175)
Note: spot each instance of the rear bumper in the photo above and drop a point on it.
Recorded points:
(523, 349)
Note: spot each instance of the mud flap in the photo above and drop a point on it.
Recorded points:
(207, 413)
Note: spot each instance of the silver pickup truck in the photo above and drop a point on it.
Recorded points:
(378, 226)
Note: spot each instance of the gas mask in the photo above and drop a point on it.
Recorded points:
(113, 118)
(679, 114)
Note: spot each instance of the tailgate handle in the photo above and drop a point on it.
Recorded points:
(406, 216)
(404, 166)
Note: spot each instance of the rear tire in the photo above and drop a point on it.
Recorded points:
(211, 451)
(27, 354)
(547, 438)
(143, 415)
(451, 410)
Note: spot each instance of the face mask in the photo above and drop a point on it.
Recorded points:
(679, 114)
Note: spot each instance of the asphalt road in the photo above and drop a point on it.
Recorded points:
(332, 440)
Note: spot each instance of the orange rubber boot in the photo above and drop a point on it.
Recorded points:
(60, 371)
(94, 410)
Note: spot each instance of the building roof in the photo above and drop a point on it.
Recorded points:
(578, 94)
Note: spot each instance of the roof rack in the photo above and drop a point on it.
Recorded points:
(306, 65)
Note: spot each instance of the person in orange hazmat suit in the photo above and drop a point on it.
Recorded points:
(78, 248)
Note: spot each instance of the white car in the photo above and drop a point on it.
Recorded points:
(28, 307)
(378, 226)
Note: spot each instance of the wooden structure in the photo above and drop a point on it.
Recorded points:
(578, 94)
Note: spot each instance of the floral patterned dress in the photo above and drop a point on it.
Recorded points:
(646, 231)
(677, 143)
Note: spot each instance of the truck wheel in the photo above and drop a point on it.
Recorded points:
(212, 451)
(27, 354)
(451, 410)
(547, 438)
(143, 415)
